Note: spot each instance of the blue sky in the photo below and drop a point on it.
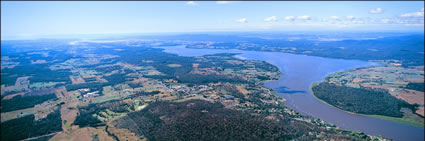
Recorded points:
(52, 18)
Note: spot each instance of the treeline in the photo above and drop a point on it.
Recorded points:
(116, 78)
(135, 85)
(38, 73)
(202, 120)
(361, 100)
(415, 86)
(26, 127)
(22, 102)
(94, 86)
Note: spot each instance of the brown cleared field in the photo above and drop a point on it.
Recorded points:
(81, 134)
(88, 76)
(16, 114)
(377, 87)
(138, 80)
(357, 80)
(412, 96)
(84, 134)
(111, 73)
(69, 113)
(242, 90)
(60, 92)
(13, 95)
(44, 109)
(417, 80)
(100, 79)
(124, 135)
(71, 94)
(420, 111)
(195, 65)
(39, 111)
(21, 83)
(174, 65)
(77, 79)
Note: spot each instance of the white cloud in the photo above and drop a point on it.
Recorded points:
(334, 18)
(376, 11)
(399, 21)
(304, 18)
(420, 25)
(271, 19)
(289, 18)
(224, 2)
(191, 3)
(358, 22)
(410, 19)
(414, 14)
(385, 21)
(242, 20)
(350, 17)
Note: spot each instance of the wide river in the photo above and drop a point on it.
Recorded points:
(299, 73)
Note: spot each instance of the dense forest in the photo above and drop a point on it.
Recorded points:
(21, 102)
(94, 86)
(202, 120)
(361, 100)
(26, 127)
(415, 86)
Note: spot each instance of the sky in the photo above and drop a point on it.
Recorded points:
(39, 18)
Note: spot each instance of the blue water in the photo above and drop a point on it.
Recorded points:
(299, 72)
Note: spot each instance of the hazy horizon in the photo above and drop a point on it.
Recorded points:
(37, 19)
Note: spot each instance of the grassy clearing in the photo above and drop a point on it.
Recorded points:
(403, 120)
(189, 98)
(68, 125)
(174, 65)
(101, 99)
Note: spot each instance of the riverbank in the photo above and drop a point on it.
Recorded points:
(300, 71)
(404, 121)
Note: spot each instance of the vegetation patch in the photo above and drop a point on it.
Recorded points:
(416, 86)
(22, 102)
(202, 120)
(26, 127)
(174, 65)
(93, 86)
(88, 115)
(361, 100)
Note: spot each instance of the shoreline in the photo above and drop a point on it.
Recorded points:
(216, 51)
(387, 118)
